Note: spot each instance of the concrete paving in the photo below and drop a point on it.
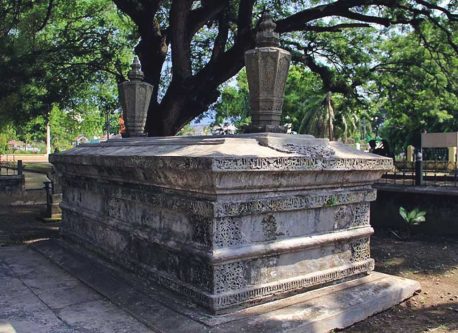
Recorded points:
(38, 297)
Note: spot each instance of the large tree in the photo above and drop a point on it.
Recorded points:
(56, 52)
(394, 83)
(205, 42)
(416, 87)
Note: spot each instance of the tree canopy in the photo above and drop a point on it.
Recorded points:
(392, 82)
(60, 53)
(206, 40)
(417, 86)
(347, 56)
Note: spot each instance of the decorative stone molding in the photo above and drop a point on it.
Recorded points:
(293, 244)
(206, 208)
(267, 70)
(275, 290)
(225, 254)
(309, 151)
(360, 214)
(360, 250)
(227, 232)
(299, 164)
(221, 301)
(229, 277)
(297, 202)
(293, 163)
(135, 96)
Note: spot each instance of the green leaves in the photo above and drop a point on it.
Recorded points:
(416, 86)
(233, 105)
(414, 217)
(69, 59)
(403, 213)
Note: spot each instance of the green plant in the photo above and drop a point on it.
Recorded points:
(332, 201)
(414, 217)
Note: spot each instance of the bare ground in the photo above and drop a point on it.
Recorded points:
(434, 263)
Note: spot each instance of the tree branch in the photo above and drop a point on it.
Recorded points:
(341, 8)
(245, 14)
(221, 39)
(327, 76)
(366, 18)
(297, 21)
(450, 15)
(181, 39)
(142, 12)
(209, 11)
(335, 28)
(48, 15)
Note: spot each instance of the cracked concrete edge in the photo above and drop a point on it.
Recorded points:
(28, 307)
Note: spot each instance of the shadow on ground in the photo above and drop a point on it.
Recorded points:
(421, 254)
(434, 263)
(19, 224)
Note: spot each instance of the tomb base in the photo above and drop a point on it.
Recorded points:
(226, 222)
(321, 310)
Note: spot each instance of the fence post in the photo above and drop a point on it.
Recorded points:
(451, 158)
(410, 153)
(48, 190)
(19, 167)
(419, 168)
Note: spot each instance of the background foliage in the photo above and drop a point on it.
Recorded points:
(387, 71)
(60, 55)
(400, 84)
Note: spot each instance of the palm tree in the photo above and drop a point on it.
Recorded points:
(319, 116)
(323, 119)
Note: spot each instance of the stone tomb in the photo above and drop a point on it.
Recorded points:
(226, 222)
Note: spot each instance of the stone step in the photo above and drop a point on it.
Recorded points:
(320, 310)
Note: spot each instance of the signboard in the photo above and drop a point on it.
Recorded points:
(439, 140)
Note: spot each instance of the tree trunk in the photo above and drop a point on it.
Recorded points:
(330, 115)
(186, 99)
(178, 107)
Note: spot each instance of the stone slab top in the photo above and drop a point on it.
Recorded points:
(260, 145)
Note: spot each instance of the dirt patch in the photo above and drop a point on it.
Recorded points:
(432, 262)
(19, 224)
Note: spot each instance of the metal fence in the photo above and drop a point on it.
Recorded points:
(429, 173)
(10, 168)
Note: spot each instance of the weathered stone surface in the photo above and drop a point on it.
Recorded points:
(135, 96)
(227, 222)
(37, 296)
(267, 69)
(316, 311)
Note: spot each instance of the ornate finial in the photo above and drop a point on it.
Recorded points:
(267, 69)
(135, 73)
(135, 97)
(266, 35)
